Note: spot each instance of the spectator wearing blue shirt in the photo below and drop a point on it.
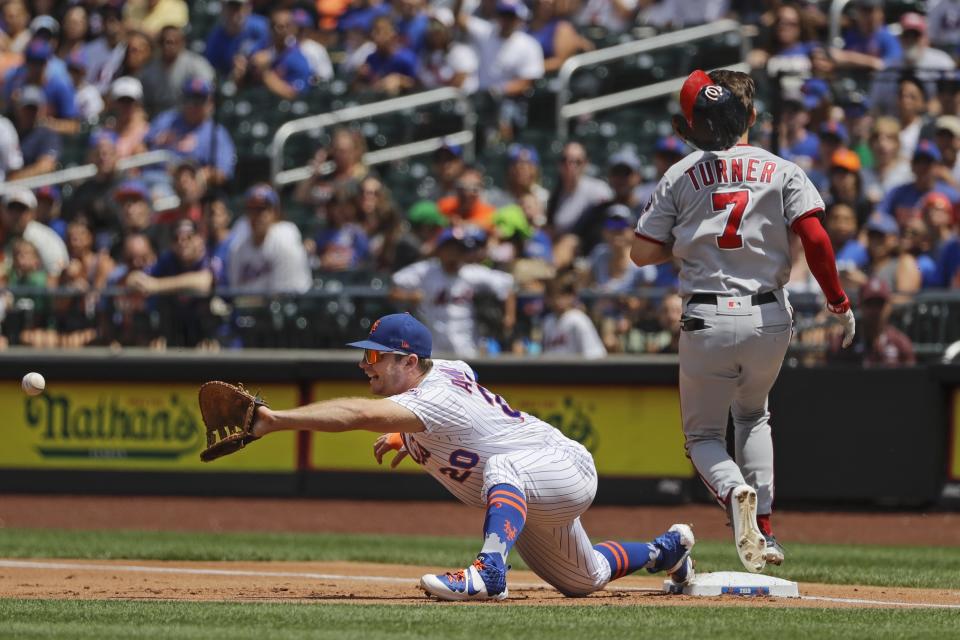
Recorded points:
(282, 68)
(39, 145)
(237, 36)
(185, 266)
(60, 97)
(868, 43)
(342, 244)
(411, 20)
(901, 203)
(843, 229)
(797, 143)
(391, 68)
(191, 132)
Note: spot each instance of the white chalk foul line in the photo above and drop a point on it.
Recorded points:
(78, 566)
(881, 602)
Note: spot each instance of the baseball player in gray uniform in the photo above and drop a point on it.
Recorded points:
(532, 481)
(727, 211)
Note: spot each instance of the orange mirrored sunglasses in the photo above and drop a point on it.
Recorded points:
(372, 356)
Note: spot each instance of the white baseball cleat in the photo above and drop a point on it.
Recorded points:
(751, 544)
(485, 579)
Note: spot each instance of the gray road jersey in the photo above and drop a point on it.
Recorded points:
(726, 215)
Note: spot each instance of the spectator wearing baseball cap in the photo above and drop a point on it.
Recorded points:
(846, 185)
(444, 62)
(60, 98)
(514, 238)
(271, 258)
(425, 223)
(611, 269)
(939, 214)
(281, 67)
(19, 221)
(877, 343)
(447, 165)
(191, 133)
(40, 146)
(947, 138)
(902, 201)
(130, 125)
(239, 32)
(510, 59)
(887, 261)
(443, 290)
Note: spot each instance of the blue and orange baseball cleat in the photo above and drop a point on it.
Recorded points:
(675, 546)
(485, 579)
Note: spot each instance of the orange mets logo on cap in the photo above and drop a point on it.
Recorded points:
(375, 325)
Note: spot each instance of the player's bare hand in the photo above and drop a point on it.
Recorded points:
(386, 443)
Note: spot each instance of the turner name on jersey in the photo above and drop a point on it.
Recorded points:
(465, 424)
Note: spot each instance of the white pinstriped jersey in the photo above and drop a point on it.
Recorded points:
(726, 214)
(465, 425)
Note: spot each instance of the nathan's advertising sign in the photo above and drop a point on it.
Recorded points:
(127, 426)
(954, 453)
(631, 431)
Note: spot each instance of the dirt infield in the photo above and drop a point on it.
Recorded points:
(390, 584)
(361, 583)
(446, 518)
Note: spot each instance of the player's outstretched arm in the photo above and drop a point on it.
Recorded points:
(341, 414)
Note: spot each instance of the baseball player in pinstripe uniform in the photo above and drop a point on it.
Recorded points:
(726, 211)
(532, 481)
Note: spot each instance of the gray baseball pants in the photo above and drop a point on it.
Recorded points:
(728, 366)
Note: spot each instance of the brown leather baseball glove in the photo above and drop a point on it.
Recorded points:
(229, 413)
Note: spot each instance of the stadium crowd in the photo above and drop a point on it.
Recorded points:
(534, 260)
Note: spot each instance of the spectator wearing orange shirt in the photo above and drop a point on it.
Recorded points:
(466, 205)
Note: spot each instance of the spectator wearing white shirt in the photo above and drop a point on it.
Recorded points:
(943, 17)
(11, 159)
(567, 330)
(575, 192)
(271, 258)
(443, 289)
(315, 53)
(19, 221)
(443, 61)
(510, 59)
(616, 16)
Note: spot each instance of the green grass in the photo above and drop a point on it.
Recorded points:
(930, 567)
(105, 620)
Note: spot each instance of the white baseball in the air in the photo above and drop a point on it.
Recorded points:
(33, 384)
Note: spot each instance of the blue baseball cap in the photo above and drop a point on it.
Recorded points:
(523, 153)
(398, 333)
(467, 238)
(261, 194)
(38, 51)
(197, 88)
(814, 91)
(928, 150)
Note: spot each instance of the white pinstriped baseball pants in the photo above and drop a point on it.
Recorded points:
(559, 485)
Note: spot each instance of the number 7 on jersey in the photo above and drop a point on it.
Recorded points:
(731, 238)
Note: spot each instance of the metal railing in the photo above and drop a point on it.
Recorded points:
(86, 171)
(567, 110)
(465, 137)
(836, 12)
